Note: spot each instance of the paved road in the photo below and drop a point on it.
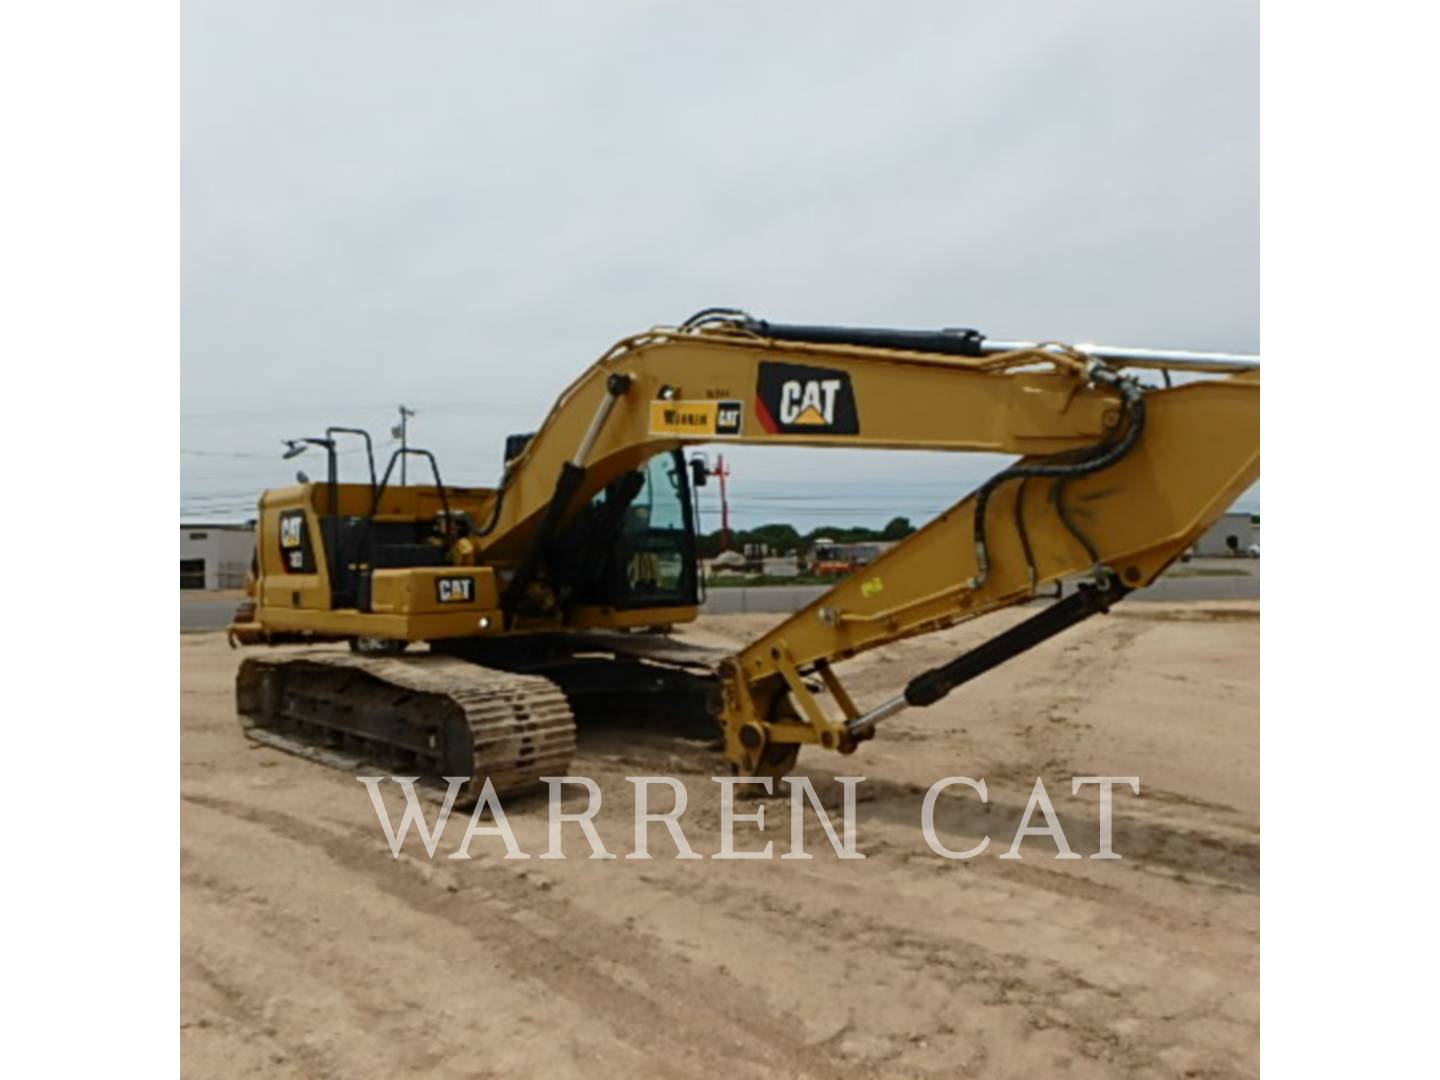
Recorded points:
(787, 598)
(213, 614)
(198, 613)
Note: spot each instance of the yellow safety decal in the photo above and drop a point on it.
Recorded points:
(698, 419)
(872, 587)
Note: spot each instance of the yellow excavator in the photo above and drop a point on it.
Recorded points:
(476, 624)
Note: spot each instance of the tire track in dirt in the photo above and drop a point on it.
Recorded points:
(335, 997)
(236, 1006)
(1052, 993)
(904, 965)
(1145, 842)
(560, 945)
(1222, 854)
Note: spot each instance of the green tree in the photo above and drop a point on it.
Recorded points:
(897, 529)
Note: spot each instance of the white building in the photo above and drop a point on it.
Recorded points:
(215, 556)
(727, 562)
(781, 566)
(1233, 534)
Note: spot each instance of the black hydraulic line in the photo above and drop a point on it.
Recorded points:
(952, 342)
(1057, 500)
(566, 485)
(930, 686)
(572, 474)
(499, 504)
(1103, 455)
(1062, 511)
(1024, 533)
(715, 314)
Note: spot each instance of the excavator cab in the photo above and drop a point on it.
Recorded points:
(634, 546)
(657, 542)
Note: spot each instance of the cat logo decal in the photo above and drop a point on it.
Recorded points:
(796, 399)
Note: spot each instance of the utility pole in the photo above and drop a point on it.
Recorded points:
(722, 472)
(700, 463)
(401, 431)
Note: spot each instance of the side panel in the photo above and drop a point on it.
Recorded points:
(291, 552)
(434, 591)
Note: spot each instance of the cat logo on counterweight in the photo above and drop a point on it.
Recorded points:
(296, 556)
(454, 590)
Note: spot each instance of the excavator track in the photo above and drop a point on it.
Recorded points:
(431, 716)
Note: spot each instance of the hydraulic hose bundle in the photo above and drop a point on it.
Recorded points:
(1101, 456)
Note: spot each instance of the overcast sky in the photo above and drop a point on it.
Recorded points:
(459, 205)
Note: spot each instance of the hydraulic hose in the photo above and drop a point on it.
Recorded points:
(1101, 456)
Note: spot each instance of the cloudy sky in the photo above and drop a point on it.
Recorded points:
(458, 205)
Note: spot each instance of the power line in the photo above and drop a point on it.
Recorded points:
(263, 415)
(243, 454)
(212, 496)
(226, 454)
(306, 411)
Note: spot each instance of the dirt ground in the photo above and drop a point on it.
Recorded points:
(308, 951)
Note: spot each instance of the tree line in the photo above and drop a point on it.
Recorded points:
(787, 540)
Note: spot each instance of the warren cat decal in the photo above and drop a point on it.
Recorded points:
(699, 419)
(796, 399)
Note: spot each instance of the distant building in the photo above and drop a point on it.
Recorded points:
(1234, 534)
(781, 566)
(727, 562)
(867, 551)
(215, 556)
(829, 557)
